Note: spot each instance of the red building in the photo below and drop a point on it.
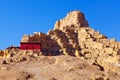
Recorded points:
(30, 46)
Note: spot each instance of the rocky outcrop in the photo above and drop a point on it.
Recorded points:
(4, 54)
(73, 19)
(77, 39)
(72, 36)
(49, 46)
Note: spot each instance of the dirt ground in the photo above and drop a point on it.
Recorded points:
(54, 68)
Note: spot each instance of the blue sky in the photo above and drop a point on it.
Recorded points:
(18, 17)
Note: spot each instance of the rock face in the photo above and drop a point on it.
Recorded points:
(76, 38)
(4, 54)
(49, 46)
(73, 19)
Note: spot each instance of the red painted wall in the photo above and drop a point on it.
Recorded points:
(30, 46)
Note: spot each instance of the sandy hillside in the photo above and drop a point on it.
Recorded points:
(54, 68)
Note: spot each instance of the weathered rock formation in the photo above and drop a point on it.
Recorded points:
(73, 36)
(4, 54)
(73, 19)
(76, 38)
(49, 46)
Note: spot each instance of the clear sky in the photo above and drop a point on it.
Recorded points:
(18, 17)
